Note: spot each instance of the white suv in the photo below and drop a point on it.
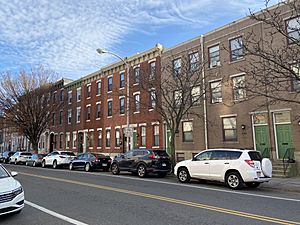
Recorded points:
(58, 158)
(20, 157)
(235, 167)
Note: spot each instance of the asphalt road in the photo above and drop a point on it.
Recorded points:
(76, 197)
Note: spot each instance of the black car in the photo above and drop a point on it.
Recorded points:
(142, 162)
(89, 161)
(35, 160)
(5, 156)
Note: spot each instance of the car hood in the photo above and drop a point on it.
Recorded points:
(8, 184)
(184, 162)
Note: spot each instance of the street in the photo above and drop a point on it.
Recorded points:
(77, 197)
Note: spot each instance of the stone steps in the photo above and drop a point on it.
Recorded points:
(278, 169)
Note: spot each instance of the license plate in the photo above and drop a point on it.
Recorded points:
(259, 174)
(104, 164)
(164, 164)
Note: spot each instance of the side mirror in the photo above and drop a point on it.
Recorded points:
(13, 174)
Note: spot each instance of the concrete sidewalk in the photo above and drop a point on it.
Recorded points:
(283, 184)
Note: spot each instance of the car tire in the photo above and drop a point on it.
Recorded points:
(234, 180)
(71, 166)
(43, 164)
(16, 162)
(141, 170)
(252, 184)
(34, 164)
(87, 167)
(162, 174)
(115, 169)
(54, 165)
(183, 175)
(26, 164)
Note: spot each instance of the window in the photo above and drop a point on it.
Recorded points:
(143, 136)
(98, 110)
(88, 113)
(107, 137)
(239, 92)
(153, 99)
(203, 156)
(109, 84)
(136, 103)
(99, 144)
(216, 91)
(109, 108)
(236, 49)
(78, 115)
(68, 141)
(293, 30)
(229, 129)
(88, 91)
(137, 74)
(122, 80)
(70, 97)
(53, 119)
(187, 131)
(61, 141)
(69, 116)
(152, 70)
(117, 137)
(214, 56)
(194, 61)
(177, 97)
(60, 117)
(177, 66)
(296, 78)
(74, 140)
(195, 95)
(156, 135)
(54, 97)
(61, 95)
(122, 105)
(91, 139)
(99, 88)
(78, 94)
(179, 156)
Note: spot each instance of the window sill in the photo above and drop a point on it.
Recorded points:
(98, 118)
(136, 112)
(122, 114)
(238, 60)
(214, 67)
(121, 88)
(107, 148)
(88, 98)
(109, 92)
(88, 121)
(98, 95)
(150, 110)
(91, 147)
(118, 148)
(142, 147)
(109, 117)
(135, 84)
(155, 147)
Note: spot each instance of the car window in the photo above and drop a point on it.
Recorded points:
(26, 153)
(254, 155)
(80, 156)
(203, 156)
(234, 154)
(161, 153)
(128, 154)
(3, 173)
(68, 153)
(138, 153)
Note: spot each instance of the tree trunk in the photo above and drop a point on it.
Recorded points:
(172, 148)
(35, 146)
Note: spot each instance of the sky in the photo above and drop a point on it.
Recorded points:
(63, 35)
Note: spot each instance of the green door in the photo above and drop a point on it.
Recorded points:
(262, 139)
(284, 138)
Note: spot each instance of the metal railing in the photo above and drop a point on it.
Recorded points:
(266, 153)
(288, 158)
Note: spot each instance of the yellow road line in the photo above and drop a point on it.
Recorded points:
(172, 200)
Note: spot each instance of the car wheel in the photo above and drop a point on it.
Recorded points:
(162, 174)
(26, 164)
(87, 167)
(16, 162)
(252, 184)
(43, 164)
(183, 175)
(141, 170)
(54, 164)
(34, 164)
(115, 169)
(71, 166)
(234, 180)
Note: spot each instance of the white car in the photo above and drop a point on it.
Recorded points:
(235, 167)
(20, 157)
(11, 193)
(58, 158)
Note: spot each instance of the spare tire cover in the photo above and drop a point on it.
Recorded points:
(266, 167)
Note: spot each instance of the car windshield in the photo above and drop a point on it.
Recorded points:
(99, 156)
(3, 173)
(26, 153)
(67, 153)
(161, 153)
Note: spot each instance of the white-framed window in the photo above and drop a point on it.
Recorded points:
(70, 97)
(109, 108)
(74, 140)
(239, 91)
(98, 87)
(117, 137)
(78, 94)
(78, 115)
(293, 30)
(107, 137)
(98, 110)
(229, 129)
(214, 56)
(187, 131)
(88, 90)
(143, 136)
(61, 139)
(236, 48)
(177, 67)
(177, 97)
(69, 116)
(194, 61)
(136, 103)
(109, 83)
(122, 105)
(156, 135)
(91, 139)
(216, 91)
(153, 99)
(122, 79)
(68, 140)
(152, 70)
(195, 95)
(99, 142)
(137, 74)
(296, 78)
(88, 113)
(61, 117)
(61, 95)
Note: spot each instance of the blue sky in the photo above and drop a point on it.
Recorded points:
(63, 35)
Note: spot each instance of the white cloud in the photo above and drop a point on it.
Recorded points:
(63, 34)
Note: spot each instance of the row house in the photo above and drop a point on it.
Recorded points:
(230, 117)
(93, 116)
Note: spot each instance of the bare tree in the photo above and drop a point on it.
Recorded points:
(25, 102)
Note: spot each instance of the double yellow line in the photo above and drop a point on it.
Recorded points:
(171, 200)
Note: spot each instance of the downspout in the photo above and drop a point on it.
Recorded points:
(204, 92)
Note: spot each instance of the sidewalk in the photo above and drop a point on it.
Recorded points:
(283, 184)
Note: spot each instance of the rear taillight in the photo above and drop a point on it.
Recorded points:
(249, 162)
(152, 156)
(62, 157)
(40, 158)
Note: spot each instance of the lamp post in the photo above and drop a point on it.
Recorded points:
(127, 133)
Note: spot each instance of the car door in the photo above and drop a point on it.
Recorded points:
(199, 166)
(219, 162)
(77, 161)
(125, 161)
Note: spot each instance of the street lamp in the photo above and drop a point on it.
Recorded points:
(127, 133)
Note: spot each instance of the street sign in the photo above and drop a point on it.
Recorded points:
(128, 132)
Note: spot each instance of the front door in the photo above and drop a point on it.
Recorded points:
(262, 139)
(284, 139)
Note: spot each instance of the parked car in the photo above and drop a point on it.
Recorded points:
(89, 161)
(20, 157)
(6, 155)
(142, 162)
(58, 158)
(35, 160)
(11, 193)
(235, 167)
